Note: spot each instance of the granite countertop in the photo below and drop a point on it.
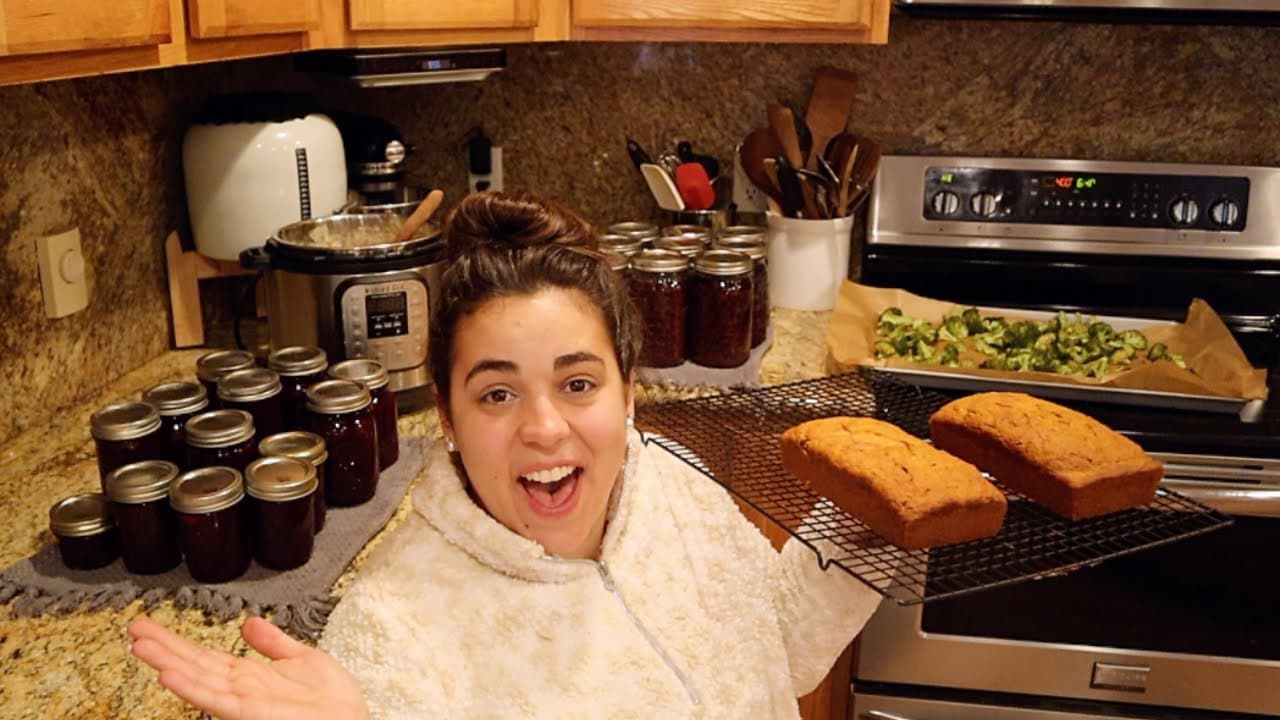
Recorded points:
(78, 665)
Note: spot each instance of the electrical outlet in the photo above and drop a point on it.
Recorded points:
(748, 197)
(491, 180)
(62, 274)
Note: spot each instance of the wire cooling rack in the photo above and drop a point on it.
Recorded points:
(734, 439)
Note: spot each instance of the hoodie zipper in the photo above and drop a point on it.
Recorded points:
(653, 642)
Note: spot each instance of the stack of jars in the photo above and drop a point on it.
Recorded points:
(241, 465)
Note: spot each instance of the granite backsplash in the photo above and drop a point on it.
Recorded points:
(102, 154)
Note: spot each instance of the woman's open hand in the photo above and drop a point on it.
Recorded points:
(299, 681)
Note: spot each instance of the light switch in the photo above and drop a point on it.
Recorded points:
(62, 274)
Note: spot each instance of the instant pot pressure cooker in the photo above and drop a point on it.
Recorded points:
(339, 283)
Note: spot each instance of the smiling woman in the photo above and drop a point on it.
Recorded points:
(554, 564)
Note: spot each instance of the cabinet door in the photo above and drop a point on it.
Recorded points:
(796, 14)
(40, 26)
(442, 14)
(227, 18)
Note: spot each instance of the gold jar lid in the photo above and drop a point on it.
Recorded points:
(298, 360)
(755, 232)
(621, 244)
(686, 246)
(140, 482)
(249, 385)
(213, 365)
(277, 479)
(179, 397)
(80, 516)
(330, 397)
(616, 260)
(124, 420)
(722, 262)
(297, 444)
(206, 490)
(218, 428)
(633, 229)
(369, 373)
(744, 244)
(657, 260)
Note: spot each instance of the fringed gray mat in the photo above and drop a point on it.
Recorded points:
(297, 600)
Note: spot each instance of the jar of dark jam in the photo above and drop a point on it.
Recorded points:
(701, 233)
(624, 245)
(658, 283)
(341, 412)
(642, 231)
(720, 309)
(177, 402)
(754, 248)
(87, 536)
(688, 247)
(257, 391)
(281, 512)
(211, 366)
(299, 366)
(373, 376)
(139, 495)
(220, 437)
(126, 432)
(305, 446)
(211, 525)
(617, 261)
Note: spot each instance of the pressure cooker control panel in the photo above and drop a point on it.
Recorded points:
(386, 321)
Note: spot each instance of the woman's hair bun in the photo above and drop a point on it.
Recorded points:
(514, 220)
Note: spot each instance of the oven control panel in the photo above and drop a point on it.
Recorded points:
(1056, 197)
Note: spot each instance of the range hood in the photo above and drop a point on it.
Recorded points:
(394, 67)
(1251, 12)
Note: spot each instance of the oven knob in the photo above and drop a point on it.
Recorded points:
(1224, 213)
(945, 202)
(984, 204)
(1184, 211)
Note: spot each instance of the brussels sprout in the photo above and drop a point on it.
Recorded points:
(1157, 352)
(1134, 339)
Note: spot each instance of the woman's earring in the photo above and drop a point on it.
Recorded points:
(450, 445)
(631, 422)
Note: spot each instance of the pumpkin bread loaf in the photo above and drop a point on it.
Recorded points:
(902, 488)
(1062, 459)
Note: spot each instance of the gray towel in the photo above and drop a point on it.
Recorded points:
(297, 600)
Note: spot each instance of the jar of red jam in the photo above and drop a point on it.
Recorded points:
(624, 245)
(616, 261)
(687, 246)
(211, 525)
(753, 247)
(211, 366)
(641, 231)
(373, 375)
(177, 402)
(341, 412)
(87, 535)
(720, 309)
(139, 495)
(659, 287)
(701, 233)
(257, 391)
(220, 437)
(281, 512)
(126, 432)
(308, 447)
(299, 366)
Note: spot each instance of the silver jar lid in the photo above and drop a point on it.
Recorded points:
(211, 366)
(80, 516)
(751, 231)
(686, 246)
(369, 373)
(744, 244)
(297, 444)
(331, 397)
(206, 490)
(722, 262)
(695, 232)
(621, 244)
(124, 420)
(219, 428)
(298, 360)
(140, 482)
(277, 479)
(637, 230)
(616, 260)
(179, 397)
(658, 260)
(249, 385)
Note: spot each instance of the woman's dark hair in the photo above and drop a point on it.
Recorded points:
(503, 245)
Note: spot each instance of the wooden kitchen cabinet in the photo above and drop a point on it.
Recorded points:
(227, 18)
(744, 20)
(440, 14)
(45, 26)
(372, 23)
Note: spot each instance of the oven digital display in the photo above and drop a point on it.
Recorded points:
(387, 314)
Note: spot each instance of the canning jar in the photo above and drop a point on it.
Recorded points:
(220, 437)
(658, 283)
(373, 376)
(210, 367)
(701, 233)
(299, 366)
(87, 536)
(177, 402)
(211, 525)
(257, 391)
(688, 247)
(341, 412)
(636, 230)
(617, 262)
(754, 248)
(125, 432)
(624, 245)
(305, 446)
(139, 495)
(282, 518)
(720, 309)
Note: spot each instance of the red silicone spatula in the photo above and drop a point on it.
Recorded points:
(695, 186)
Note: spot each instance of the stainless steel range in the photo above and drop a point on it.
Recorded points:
(1188, 630)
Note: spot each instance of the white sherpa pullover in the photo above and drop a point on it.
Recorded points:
(689, 613)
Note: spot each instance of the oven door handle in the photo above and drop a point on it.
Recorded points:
(1230, 498)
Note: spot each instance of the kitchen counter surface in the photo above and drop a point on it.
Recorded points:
(78, 666)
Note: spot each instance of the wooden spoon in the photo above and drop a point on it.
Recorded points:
(420, 215)
(758, 146)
